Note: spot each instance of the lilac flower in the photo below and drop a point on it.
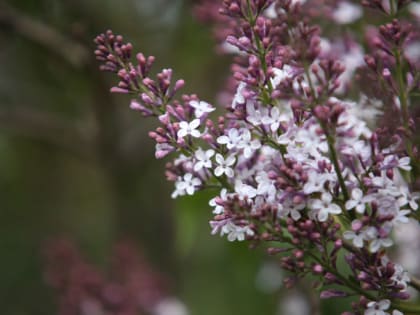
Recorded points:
(218, 208)
(203, 159)
(347, 13)
(189, 128)
(376, 241)
(236, 232)
(239, 97)
(316, 182)
(231, 140)
(392, 161)
(224, 165)
(201, 108)
(378, 308)
(324, 206)
(292, 209)
(248, 144)
(408, 198)
(244, 191)
(186, 185)
(357, 235)
(358, 201)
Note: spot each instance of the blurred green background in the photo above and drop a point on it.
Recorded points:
(76, 162)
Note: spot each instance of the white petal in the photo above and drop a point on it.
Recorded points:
(220, 159)
(181, 133)
(229, 172)
(209, 153)
(219, 171)
(350, 204)
(223, 140)
(357, 194)
(230, 160)
(322, 215)
(195, 133)
(334, 209)
(195, 123)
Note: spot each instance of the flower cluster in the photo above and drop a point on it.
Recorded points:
(294, 158)
(131, 288)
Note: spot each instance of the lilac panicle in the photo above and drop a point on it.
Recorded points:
(294, 157)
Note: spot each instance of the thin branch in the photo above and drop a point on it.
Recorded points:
(414, 283)
(48, 128)
(73, 52)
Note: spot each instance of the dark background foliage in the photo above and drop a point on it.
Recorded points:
(75, 162)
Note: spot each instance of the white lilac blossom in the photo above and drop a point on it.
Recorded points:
(347, 12)
(201, 108)
(235, 232)
(189, 128)
(247, 144)
(290, 208)
(376, 241)
(231, 140)
(245, 191)
(218, 208)
(186, 185)
(256, 114)
(324, 207)
(380, 308)
(203, 159)
(357, 238)
(358, 202)
(224, 165)
(239, 97)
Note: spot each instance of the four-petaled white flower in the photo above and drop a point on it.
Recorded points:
(378, 308)
(357, 234)
(289, 207)
(201, 108)
(392, 161)
(231, 140)
(358, 201)
(316, 182)
(203, 159)
(244, 191)
(376, 241)
(187, 184)
(224, 165)
(247, 144)
(189, 128)
(408, 198)
(236, 232)
(275, 119)
(324, 206)
(356, 237)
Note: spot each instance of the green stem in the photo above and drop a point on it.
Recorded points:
(403, 99)
(334, 159)
(392, 7)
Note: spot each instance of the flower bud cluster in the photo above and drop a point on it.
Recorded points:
(132, 288)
